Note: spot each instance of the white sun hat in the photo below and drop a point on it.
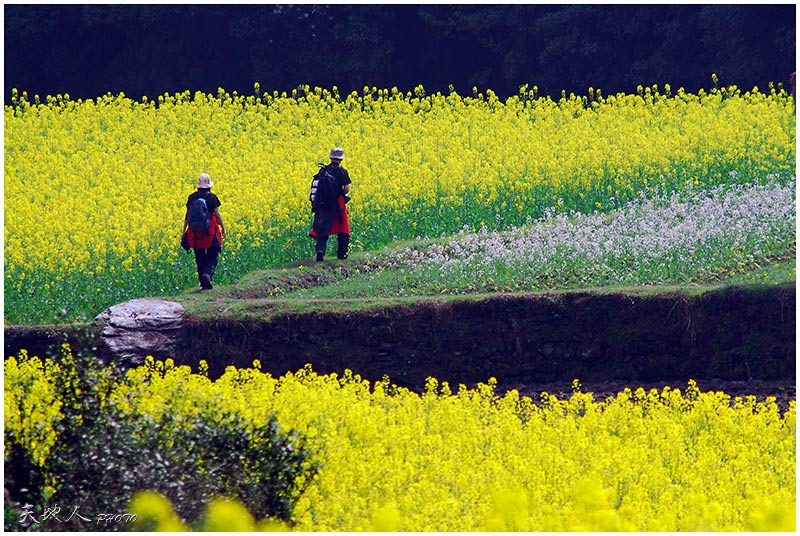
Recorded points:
(337, 153)
(204, 181)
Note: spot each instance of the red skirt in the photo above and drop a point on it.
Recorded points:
(206, 240)
(331, 222)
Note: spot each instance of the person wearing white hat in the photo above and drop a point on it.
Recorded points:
(332, 218)
(203, 229)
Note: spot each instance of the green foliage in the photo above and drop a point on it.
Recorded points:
(781, 273)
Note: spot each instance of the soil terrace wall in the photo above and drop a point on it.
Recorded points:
(731, 334)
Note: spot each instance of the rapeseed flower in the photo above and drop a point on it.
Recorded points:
(98, 185)
(476, 460)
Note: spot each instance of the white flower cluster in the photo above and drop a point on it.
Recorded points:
(668, 238)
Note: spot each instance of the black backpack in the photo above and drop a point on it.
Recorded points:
(199, 219)
(324, 192)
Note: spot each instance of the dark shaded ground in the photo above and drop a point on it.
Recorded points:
(732, 334)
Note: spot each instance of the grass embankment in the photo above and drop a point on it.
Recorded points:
(341, 287)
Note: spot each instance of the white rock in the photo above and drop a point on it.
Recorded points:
(141, 327)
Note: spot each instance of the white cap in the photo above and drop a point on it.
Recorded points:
(204, 181)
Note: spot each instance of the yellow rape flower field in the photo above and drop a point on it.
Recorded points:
(94, 201)
(95, 189)
(458, 459)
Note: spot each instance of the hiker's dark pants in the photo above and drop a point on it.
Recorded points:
(341, 250)
(206, 260)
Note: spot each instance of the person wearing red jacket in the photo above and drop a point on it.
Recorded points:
(206, 244)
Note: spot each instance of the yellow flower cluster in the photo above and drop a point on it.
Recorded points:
(99, 186)
(154, 512)
(31, 405)
(469, 459)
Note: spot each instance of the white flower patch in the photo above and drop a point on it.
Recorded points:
(669, 238)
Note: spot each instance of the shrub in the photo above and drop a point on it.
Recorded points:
(102, 456)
